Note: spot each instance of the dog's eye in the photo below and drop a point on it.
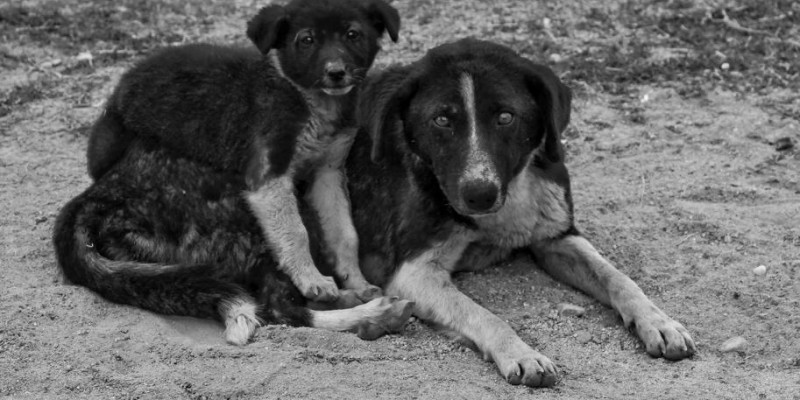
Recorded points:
(307, 40)
(353, 34)
(441, 121)
(505, 118)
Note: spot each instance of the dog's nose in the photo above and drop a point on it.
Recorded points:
(480, 196)
(335, 73)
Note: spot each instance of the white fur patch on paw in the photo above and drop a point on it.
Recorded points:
(240, 322)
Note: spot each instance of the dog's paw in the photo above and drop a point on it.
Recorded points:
(520, 364)
(387, 315)
(368, 292)
(663, 336)
(318, 288)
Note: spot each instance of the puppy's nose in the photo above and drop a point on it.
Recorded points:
(480, 196)
(335, 71)
(336, 75)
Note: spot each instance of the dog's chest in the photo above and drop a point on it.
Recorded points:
(322, 140)
(535, 209)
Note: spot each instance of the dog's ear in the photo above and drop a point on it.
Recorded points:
(384, 17)
(554, 100)
(381, 106)
(268, 28)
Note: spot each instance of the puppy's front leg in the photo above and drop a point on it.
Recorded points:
(575, 261)
(275, 206)
(427, 283)
(328, 196)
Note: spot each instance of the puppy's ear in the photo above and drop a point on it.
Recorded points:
(381, 106)
(383, 17)
(268, 28)
(554, 100)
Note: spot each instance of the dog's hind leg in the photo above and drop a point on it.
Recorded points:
(575, 261)
(275, 206)
(328, 196)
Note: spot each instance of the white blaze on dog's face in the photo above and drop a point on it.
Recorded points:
(477, 126)
(325, 45)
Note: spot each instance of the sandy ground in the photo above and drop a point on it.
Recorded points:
(686, 193)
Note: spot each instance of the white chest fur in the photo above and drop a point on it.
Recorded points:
(535, 209)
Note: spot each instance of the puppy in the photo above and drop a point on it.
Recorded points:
(468, 167)
(278, 117)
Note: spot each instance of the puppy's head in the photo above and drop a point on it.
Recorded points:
(472, 112)
(325, 45)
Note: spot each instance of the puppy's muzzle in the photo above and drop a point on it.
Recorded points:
(480, 196)
(336, 81)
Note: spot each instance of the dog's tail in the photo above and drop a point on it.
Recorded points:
(166, 289)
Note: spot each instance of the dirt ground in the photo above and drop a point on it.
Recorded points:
(685, 156)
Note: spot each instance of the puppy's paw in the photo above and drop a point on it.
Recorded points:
(386, 315)
(356, 282)
(318, 288)
(368, 292)
(663, 336)
(240, 321)
(520, 364)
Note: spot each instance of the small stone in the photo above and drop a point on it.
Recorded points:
(583, 337)
(556, 58)
(570, 310)
(760, 270)
(784, 144)
(738, 344)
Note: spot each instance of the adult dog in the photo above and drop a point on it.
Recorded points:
(469, 166)
(281, 116)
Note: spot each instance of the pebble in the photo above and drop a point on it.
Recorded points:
(570, 310)
(760, 270)
(583, 337)
(738, 344)
(784, 143)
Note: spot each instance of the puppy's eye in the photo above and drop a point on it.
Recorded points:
(441, 121)
(505, 118)
(352, 34)
(307, 40)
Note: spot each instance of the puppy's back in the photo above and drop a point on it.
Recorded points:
(202, 101)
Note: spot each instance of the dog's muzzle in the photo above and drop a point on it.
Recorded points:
(336, 79)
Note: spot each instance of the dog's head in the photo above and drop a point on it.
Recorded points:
(472, 112)
(325, 45)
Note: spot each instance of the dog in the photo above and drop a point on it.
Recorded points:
(280, 115)
(462, 165)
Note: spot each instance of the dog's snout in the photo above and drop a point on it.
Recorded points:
(480, 196)
(335, 71)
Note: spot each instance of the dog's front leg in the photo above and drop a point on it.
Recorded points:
(575, 261)
(426, 282)
(328, 196)
(275, 206)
